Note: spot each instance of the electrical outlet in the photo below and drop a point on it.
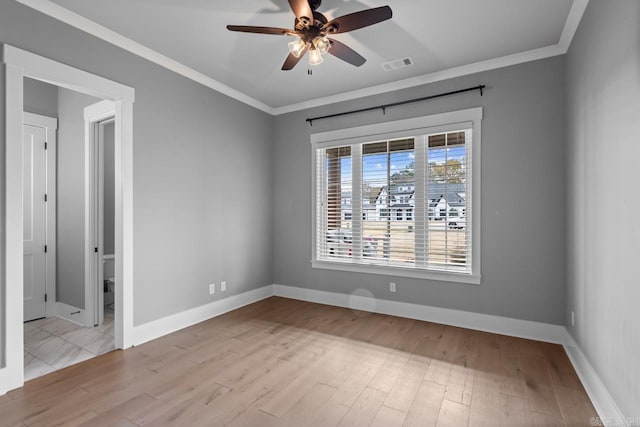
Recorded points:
(212, 288)
(573, 318)
(392, 286)
(223, 286)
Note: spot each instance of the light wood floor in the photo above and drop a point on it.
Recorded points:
(291, 363)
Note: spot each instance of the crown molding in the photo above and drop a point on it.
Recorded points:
(71, 18)
(571, 25)
(450, 73)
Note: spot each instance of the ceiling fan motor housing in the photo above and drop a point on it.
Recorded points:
(314, 4)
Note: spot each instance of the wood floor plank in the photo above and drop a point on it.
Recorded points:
(462, 375)
(283, 362)
(388, 417)
(120, 412)
(255, 417)
(513, 382)
(575, 407)
(389, 372)
(310, 403)
(329, 415)
(404, 390)
(425, 407)
(357, 379)
(364, 409)
(560, 370)
(441, 363)
(485, 398)
(512, 410)
(453, 414)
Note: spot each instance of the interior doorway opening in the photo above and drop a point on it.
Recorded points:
(18, 65)
(69, 306)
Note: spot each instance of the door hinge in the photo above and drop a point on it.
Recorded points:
(95, 250)
(45, 198)
(45, 297)
(45, 145)
(45, 249)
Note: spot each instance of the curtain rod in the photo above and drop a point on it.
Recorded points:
(395, 104)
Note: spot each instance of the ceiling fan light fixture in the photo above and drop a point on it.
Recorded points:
(315, 57)
(322, 44)
(311, 28)
(297, 47)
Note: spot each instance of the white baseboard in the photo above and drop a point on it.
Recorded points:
(166, 325)
(610, 414)
(71, 313)
(10, 379)
(465, 319)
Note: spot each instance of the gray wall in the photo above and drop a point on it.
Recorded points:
(71, 204)
(523, 195)
(603, 116)
(40, 98)
(201, 179)
(109, 187)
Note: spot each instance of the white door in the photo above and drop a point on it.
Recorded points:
(34, 211)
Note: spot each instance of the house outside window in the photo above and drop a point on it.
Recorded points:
(413, 168)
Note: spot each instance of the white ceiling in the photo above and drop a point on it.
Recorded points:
(444, 38)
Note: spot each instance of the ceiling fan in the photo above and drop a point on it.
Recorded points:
(312, 27)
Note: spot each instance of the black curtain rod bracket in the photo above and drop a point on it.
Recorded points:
(395, 104)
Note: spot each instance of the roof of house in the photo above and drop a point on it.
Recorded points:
(452, 193)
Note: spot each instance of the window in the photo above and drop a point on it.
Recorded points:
(412, 171)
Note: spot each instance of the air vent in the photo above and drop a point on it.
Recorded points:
(398, 63)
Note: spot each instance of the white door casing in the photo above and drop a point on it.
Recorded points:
(18, 64)
(94, 118)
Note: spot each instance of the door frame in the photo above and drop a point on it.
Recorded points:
(50, 125)
(95, 115)
(18, 64)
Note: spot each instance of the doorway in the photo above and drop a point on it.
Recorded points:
(19, 64)
(100, 259)
(72, 328)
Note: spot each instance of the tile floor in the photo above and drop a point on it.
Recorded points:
(53, 343)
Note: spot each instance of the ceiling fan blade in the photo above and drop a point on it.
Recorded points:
(357, 20)
(302, 10)
(344, 52)
(261, 30)
(292, 61)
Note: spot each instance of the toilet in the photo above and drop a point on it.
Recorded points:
(108, 262)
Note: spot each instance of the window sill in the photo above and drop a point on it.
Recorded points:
(398, 271)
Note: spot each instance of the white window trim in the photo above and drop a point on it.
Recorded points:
(443, 122)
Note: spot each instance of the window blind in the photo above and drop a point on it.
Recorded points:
(401, 202)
